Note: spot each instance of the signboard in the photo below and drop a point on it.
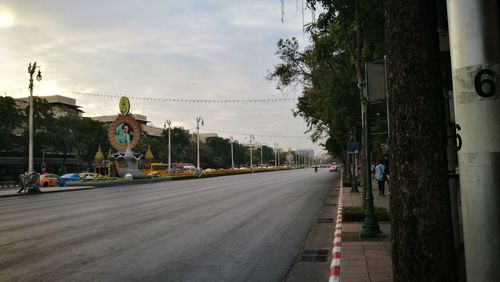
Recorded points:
(375, 81)
(352, 148)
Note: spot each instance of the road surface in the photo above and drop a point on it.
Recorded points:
(234, 228)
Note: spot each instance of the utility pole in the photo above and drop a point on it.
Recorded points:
(475, 61)
(31, 71)
(279, 157)
(251, 160)
(198, 120)
(261, 160)
(232, 152)
(276, 154)
(169, 159)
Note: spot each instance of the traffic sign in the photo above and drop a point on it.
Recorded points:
(352, 148)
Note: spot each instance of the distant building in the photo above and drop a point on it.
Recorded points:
(61, 105)
(305, 152)
(203, 136)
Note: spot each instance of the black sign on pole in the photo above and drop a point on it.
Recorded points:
(352, 148)
(375, 81)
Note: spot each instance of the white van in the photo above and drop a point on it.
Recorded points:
(189, 168)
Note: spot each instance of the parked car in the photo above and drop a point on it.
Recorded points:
(88, 175)
(68, 178)
(333, 168)
(48, 180)
(189, 168)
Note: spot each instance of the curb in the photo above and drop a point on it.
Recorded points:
(9, 186)
(334, 274)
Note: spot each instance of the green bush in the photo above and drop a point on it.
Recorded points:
(357, 214)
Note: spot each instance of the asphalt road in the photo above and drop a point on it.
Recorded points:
(233, 228)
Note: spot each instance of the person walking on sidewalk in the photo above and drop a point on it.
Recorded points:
(380, 176)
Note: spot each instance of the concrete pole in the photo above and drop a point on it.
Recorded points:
(275, 154)
(261, 160)
(251, 159)
(232, 152)
(169, 155)
(475, 59)
(198, 119)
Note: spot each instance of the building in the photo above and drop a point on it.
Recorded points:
(61, 105)
(305, 152)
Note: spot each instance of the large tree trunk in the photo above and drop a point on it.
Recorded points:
(422, 239)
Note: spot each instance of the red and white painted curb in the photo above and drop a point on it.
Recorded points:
(334, 274)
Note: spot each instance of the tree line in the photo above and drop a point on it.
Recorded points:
(71, 135)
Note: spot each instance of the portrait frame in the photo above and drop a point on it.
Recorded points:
(135, 128)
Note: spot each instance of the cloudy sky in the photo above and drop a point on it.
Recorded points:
(192, 49)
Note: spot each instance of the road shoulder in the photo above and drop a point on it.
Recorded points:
(313, 262)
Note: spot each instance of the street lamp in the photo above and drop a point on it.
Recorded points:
(261, 160)
(198, 120)
(232, 152)
(169, 155)
(31, 71)
(276, 155)
(251, 160)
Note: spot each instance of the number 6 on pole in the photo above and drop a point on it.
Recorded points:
(479, 83)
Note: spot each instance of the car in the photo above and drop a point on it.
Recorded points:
(68, 178)
(48, 180)
(333, 168)
(88, 175)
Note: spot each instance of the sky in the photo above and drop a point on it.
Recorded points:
(219, 49)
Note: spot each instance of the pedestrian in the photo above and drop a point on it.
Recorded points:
(316, 169)
(380, 176)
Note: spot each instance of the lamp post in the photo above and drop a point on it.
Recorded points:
(198, 120)
(31, 71)
(232, 152)
(279, 162)
(251, 160)
(169, 155)
(276, 154)
(370, 227)
(261, 160)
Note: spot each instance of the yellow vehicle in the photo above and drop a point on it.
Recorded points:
(47, 180)
(157, 169)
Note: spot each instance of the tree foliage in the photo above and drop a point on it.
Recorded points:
(330, 70)
(11, 119)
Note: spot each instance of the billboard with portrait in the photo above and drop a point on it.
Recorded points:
(124, 132)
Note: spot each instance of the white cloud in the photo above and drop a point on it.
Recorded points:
(178, 49)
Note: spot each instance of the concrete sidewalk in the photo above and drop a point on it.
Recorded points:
(12, 192)
(365, 259)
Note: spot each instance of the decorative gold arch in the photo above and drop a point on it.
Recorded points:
(136, 129)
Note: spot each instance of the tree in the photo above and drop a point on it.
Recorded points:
(89, 134)
(182, 148)
(422, 239)
(11, 118)
(331, 69)
(158, 146)
(219, 152)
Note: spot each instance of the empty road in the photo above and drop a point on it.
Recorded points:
(234, 228)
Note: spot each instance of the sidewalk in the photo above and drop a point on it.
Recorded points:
(12, 192)
(365, 259)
